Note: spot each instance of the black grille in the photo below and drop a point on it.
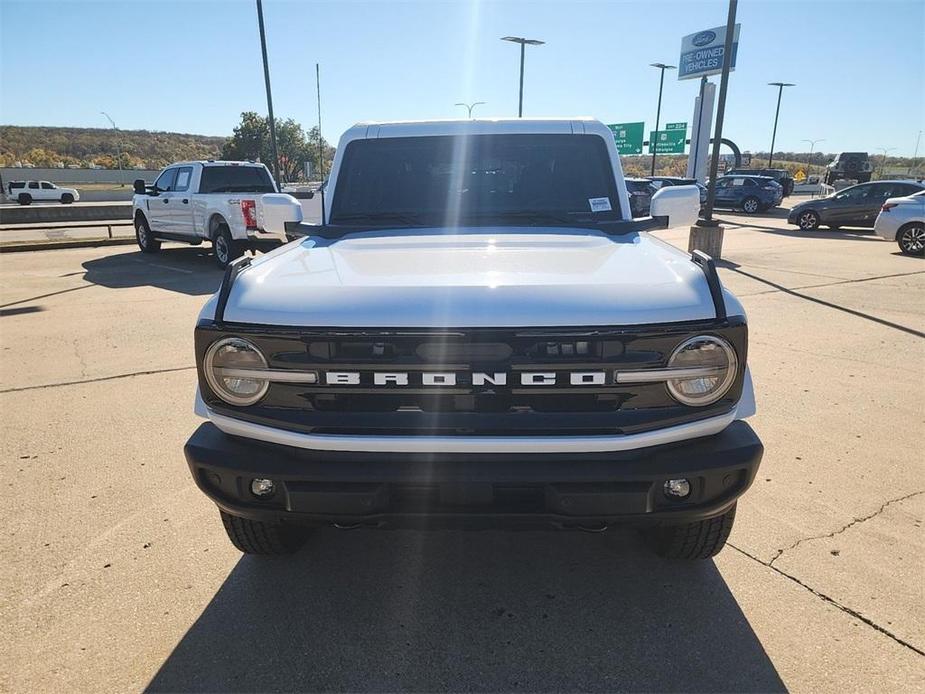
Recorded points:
(465, 407)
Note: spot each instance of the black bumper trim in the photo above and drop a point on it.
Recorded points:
(319, 487)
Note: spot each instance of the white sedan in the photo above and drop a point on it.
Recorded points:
(903, 220)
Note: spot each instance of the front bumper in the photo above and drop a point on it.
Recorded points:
(482, 490)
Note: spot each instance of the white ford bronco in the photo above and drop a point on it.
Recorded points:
(478, 334)
(233, 204)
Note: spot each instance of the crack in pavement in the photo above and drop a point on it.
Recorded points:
(832, 601)
(97, 380)
(845, 527)
(817, 286)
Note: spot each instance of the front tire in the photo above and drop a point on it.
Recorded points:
(146, 241)
(911, 239)
(257, 537)
(697, 540)
(225, 248)
(751, 205)
(67, 199)
(808, 220)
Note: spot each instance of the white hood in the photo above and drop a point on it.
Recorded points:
(480, 277)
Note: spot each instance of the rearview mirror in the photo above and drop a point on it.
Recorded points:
(680, 204)
(139, 186)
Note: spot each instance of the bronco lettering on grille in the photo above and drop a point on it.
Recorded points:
(451, 378)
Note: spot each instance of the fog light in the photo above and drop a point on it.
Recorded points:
(262, 487)
(677, 489)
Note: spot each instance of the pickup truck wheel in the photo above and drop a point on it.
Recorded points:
(911, 239)
(24, 199)
(146, 241)
(698, 540)
(67, 199)
(225, 248)
(257, 537)
(751, 205)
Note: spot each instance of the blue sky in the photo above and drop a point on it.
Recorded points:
(194, 66)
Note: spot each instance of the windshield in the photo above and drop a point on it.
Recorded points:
(517, 180)
(236, 179)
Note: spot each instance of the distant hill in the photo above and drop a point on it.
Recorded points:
(43, 146)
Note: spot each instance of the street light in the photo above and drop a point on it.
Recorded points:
(471, 106)
(523, 42)
(812, 146)
(780, 91)
(883, 161)
(118, 148)
(658, 111)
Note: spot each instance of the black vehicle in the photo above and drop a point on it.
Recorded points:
(857, 206)
(849, 166)
(782, 176)
(640, 192)
(661, 181)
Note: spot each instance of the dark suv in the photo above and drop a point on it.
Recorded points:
(750, 194)
(851, 166)
(782, 176)
(640, 191)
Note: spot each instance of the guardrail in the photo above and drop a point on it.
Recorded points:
(72, 225)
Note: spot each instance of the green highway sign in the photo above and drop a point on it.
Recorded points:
(628, 137)
(668, 141)
(676, 126)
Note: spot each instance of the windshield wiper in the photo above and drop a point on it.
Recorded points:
(377, 217)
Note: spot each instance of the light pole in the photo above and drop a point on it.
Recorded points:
(471, 106)
(118, 148)
(266, 78)
(812, 146)
(523, 42)
(883, 161)
(780, 90)
(658, 111)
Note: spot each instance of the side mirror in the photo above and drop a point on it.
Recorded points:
(681, 204)
(139, 186)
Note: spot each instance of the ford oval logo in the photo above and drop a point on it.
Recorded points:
(703, 38)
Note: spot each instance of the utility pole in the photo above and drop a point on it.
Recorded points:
(658, 111)
(780, 90)
(523, 42)
(118, 149)
(812, 146)
(266, 77)
(470, 106)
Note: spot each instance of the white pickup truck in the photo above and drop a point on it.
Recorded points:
(233, 204)
(24, 192)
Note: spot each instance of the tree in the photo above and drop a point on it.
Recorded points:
(251, 140)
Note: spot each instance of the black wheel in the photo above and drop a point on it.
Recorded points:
(146, 241)
(25, 199)
(751, 205)
(699, 540)
(225, 248)
(911, 239)
(257, 537)
(808, 220)
(67, 199)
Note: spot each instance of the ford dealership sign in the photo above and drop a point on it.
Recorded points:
(702, 53)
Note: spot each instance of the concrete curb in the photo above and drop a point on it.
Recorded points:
(16, 247)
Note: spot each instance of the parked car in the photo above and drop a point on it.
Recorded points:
(903, 220)
(477, 339)
(855, 206)
(640, 191)
(850, 166)
(659, 181)
(24, 192)
(782, 176)
(751, 194)
(233, 204)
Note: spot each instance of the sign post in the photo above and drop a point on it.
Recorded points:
(628, 137)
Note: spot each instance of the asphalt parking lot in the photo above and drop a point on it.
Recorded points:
(118, 575)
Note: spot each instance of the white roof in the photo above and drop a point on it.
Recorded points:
(576, 125)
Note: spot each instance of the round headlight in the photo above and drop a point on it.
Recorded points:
(232, 367)
(712, 364)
